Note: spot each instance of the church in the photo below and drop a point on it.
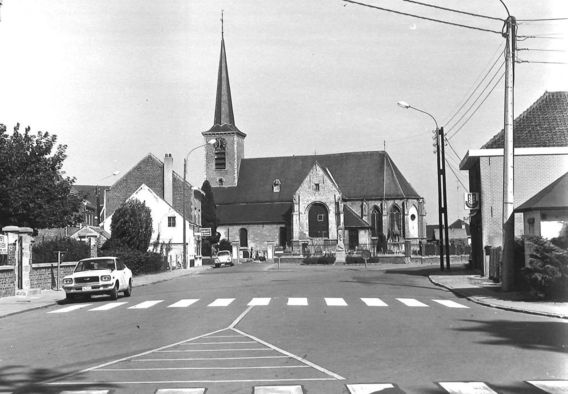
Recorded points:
(330, 203)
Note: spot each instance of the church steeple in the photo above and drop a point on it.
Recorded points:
(223, 102)
(222, 161)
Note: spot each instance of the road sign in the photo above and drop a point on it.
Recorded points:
(3, 244)
(279, 250)
(206, 231)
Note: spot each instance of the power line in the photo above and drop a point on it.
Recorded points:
(453, 10)
(541, 50)
(478, 97)
(543, 20)
(478, 82)
(538, 62)
(480, 104)
(422, 17)
(456, 175)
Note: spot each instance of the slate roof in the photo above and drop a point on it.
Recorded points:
(359, 175)
(554, 196)
(352, 220)
(257, 213)
(543, 124)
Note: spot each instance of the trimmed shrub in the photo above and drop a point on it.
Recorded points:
(132, 225)
(74, 250)
(358, 259)
(225, 244)
(547, 271)
(138, 262)
(321, 259)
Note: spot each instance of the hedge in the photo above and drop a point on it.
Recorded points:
(138, 262)
(323, 259)
(358, 259)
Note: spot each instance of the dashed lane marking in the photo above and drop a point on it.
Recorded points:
(181, 391)
(551, 386)
(412, 302)
(278, 390)
(335, 302)
(70, 308)
(298, 301)
(466, 388)
(374, 302)
(450, 304)
(110, 305)
(368, 388)
(146, 304)
(183, 303)
(222, 302)
(86, 392)
(259, 302)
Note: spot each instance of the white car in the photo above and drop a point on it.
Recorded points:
(223, 258)
(99, 275)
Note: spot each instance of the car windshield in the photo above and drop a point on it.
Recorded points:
(91, 265)
(223, 252)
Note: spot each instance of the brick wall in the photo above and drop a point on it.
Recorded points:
(258, 234)
(7, 281)
(44, 276)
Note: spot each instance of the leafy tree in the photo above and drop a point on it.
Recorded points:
(33, 193)
(209, 218)
(131, 226)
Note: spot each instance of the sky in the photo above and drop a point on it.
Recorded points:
(118, 79)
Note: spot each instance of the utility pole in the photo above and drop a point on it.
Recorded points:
(445, 198)
(508, 272)
(440, 201)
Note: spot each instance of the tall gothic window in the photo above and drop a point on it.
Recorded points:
(243, 237)
(395, 223)
(220, 154)
(318, 221)
(376, 222)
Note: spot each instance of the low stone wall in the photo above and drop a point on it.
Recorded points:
(7, 281)
(44, 276)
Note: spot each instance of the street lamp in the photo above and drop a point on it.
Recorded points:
(210, 142)
(97, 197)
(442, 196)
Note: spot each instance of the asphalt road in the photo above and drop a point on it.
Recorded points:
(326, 329)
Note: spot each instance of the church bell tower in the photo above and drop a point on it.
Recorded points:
(223, 159)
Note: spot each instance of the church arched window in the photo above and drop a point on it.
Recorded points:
(376, 222)
(220, 154)
(395, 223)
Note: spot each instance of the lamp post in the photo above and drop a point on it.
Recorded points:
(442, 195)
(210, 142)
(100, 210)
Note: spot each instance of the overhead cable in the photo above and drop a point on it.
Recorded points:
(453, 10)
(498, 72)
(480, 104)
(422, 17)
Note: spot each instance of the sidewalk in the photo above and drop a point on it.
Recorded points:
(44, 298)
(484, 292)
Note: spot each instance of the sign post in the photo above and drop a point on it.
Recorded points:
(205, 231)
(279, 251)
(366, 256)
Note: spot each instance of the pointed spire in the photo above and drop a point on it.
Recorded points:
(223, 102)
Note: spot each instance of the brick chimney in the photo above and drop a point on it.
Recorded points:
(168, 178)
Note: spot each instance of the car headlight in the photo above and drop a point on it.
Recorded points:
(67, 281)
(105, 278)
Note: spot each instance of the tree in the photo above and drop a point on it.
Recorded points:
(209, 212)
(131, 226)
(33, 192)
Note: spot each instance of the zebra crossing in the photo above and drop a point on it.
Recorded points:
(265, 301)
(544, 386)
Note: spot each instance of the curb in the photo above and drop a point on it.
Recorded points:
(481, 301)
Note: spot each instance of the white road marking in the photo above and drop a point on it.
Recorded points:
(373, 302)
(215, 343)
(466, 388)
(213, 350)
(222, 302)
(259, 302)
(183, 303)
(298, 301)
(200, 368)
(106, 307)
(154, 382)
(335, 302)
(368, 388)
(181, 391)
(551, 386)
(70, 308)
(208, 358)
(86, 392)
(451, 304)
(278, 390)
(412, 302)
(146, 304)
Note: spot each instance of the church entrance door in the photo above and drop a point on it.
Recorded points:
(318, 221)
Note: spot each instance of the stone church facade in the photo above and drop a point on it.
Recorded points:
(329, 203)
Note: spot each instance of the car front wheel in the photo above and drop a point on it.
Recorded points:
(128, 291)
(114, 292)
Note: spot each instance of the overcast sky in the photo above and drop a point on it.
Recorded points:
(119, 79)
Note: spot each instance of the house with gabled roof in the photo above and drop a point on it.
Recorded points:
(540, 157)
(156, 184)
(332, 201)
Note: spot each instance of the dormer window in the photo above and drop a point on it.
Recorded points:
(317, 187)
(276, 186)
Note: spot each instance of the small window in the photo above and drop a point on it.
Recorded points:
(413, 217)
(171, 221)
(220, 154)
(317, 187)
(220, 181)
(276, 186)
(320, 217)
